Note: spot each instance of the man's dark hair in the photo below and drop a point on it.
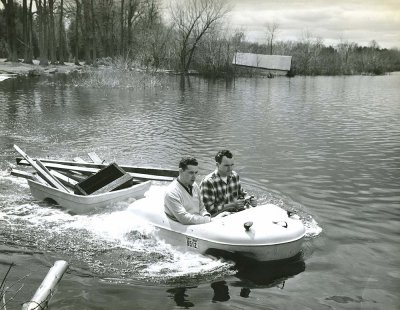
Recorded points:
(186, 161)
(222, 153)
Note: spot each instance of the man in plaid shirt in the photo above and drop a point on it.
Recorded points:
(221, 190)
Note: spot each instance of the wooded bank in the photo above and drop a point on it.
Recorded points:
(193, 38)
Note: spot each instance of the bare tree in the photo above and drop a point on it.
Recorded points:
(93, 33)
(134, 11)
(344, 49)
(237, 39)
(106, 10)
(89, 31)
(308, 53)
(43, 31)
(52, 33)
(150, 43)
(121, 20)
(25, 31)
(272, 31)
(77, 25)
(29, 58)
(61, 35)
(11, 30)
(193, 19)
(129, 13)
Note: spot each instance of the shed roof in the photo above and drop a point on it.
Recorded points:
(272, 62)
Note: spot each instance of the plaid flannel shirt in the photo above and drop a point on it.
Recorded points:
(215, 192)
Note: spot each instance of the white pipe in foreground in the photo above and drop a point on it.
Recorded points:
(46, 290)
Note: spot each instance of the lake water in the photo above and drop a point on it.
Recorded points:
(326, 147)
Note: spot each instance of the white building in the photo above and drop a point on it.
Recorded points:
(273, 64)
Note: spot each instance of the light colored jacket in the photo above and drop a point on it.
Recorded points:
(185, 208)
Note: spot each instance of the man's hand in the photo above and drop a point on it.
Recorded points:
(234, 206)
(239, 203)
(250, 200)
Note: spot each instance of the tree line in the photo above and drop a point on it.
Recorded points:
(193, 37)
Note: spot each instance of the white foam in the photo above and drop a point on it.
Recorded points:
(312, 228)
(4, 77)
(110, 226)
(182, 263)
(5, 176)
(3, 217)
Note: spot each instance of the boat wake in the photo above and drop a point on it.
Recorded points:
(115, 245)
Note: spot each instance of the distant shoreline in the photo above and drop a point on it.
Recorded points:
(12, 69)
(21, 69)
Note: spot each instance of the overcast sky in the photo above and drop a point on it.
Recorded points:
(359, 21)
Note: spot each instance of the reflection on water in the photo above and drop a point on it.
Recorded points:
(249, 274)
(179, 295)
(268, 274)
(220, 291)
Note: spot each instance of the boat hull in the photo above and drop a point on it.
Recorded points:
(267, 252)
(274, 234)
(86, 204)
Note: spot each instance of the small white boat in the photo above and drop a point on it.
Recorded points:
(60, 181)
(263, 233)
(85, 204)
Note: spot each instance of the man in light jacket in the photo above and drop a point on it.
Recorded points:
(182, 201)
